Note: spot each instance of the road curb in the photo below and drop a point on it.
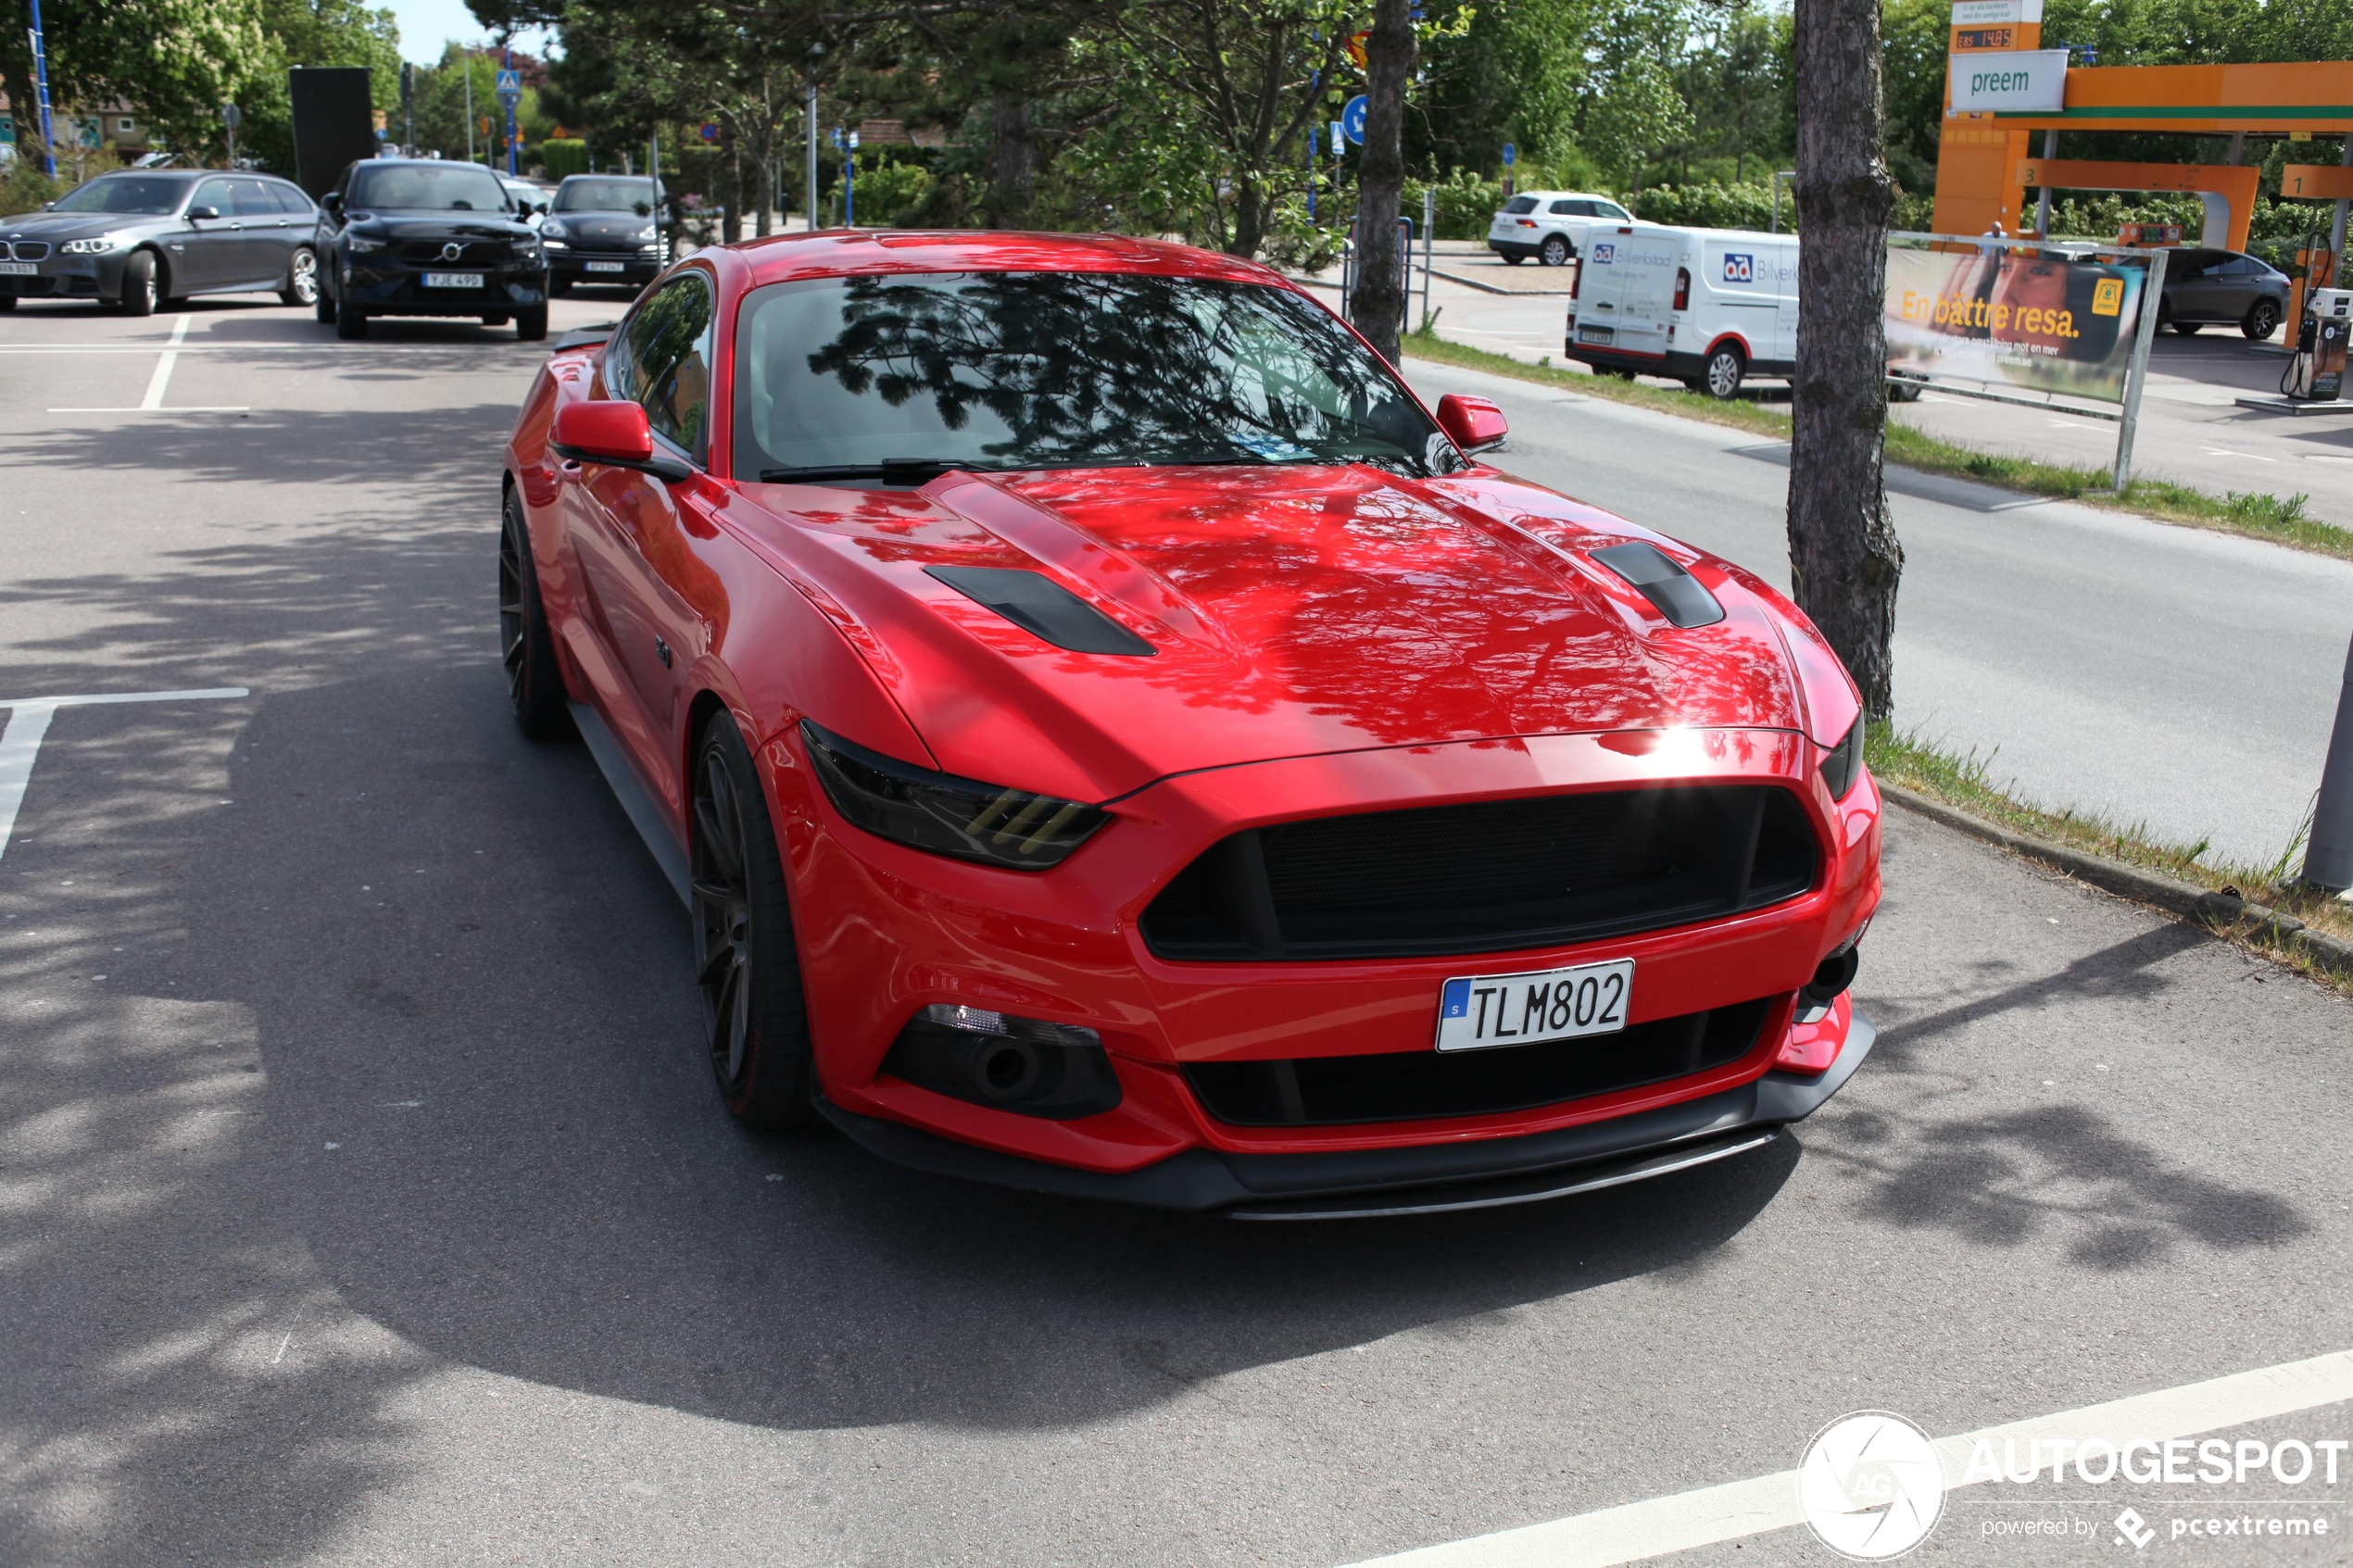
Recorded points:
(2222, 912)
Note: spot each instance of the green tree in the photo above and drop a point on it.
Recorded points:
(176, 60)
(1641, 114)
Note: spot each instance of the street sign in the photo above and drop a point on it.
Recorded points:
(711, 131)
(230, 116)
(1511, 153)
(1351, 120)
(510, 85)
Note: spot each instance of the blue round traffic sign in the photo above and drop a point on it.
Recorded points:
(1351, 120)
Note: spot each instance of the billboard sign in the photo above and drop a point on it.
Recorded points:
(2014, 321)
(2029, 81)
(1985, 13)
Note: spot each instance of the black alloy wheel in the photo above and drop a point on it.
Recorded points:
(1556, 252)
(141, 293)
(755, 1024)
(302, 278)
(535, 686)
(2263, 320)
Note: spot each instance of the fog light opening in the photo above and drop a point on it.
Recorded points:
(1006, 1069)
(1025, 1065)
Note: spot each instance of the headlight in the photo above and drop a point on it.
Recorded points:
(359, 244)
(944, 814)
(99, 246)
(646, 234)
(1844, 763)
(553, 228)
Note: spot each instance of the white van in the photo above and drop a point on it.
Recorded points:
(1709, 307)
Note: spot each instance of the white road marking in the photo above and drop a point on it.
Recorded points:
(1714, 1515)
(28, 721)
(152, 402)
(2226, 452)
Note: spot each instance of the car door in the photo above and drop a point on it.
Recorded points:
(267, 230)
(2190, 283)
(637, 539)
(2237, 282)
(204, 255)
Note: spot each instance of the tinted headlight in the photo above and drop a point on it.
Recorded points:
(1844, 763)
(553, 228)
(359, 243)
(945, 814)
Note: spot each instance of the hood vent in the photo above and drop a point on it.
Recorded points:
(1672, 591)
(1043, 607)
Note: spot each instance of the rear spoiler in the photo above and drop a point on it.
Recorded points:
(583, 338)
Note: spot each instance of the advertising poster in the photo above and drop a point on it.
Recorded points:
(2015, 321)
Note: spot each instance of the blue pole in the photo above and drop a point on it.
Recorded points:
(510, 111)
(41, 95)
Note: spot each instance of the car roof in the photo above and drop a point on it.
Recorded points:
(833, 253)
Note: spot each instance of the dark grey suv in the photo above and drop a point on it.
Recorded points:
(2222, 288)
(603, 229)
(141, 238)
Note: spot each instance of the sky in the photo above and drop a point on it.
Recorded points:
(425, 25)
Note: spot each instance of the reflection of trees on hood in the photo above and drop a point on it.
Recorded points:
(1111, 364)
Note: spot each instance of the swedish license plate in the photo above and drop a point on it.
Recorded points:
(18, 269)
(607, 266)
(1596, 334)
(1524, 1009)
(453, 280)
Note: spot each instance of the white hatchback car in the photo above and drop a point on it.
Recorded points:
(1549, 225)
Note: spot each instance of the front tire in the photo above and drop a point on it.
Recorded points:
(302, 278)
(350, 323)
(530, 325)
(1556, 251)
(141, 292)
(755, 1024)
(2263, 320)
(1725, 371)
(2189, 329)
(534, 685)
(559, 287)
(325, 307)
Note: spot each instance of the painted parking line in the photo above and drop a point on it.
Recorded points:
(1712, 1515)
(28, 721)
(152, 402)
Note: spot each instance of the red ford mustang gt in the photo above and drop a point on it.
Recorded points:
(1112, 740)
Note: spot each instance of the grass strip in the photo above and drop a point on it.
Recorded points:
(1966, 782)
(2254, 514)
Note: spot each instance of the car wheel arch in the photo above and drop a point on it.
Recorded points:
(1748, 354)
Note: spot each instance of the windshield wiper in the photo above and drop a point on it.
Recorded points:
(890, 471)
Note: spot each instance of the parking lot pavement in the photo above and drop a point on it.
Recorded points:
(2155, 675)
(364, 1199)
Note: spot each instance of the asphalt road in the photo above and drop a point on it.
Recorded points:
(2154, 674)
(364, 1198)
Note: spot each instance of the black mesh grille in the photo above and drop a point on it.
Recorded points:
(1417, 1086)
(33, 250)
(1491, 877)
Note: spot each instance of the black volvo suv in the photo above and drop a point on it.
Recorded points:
(421, 237)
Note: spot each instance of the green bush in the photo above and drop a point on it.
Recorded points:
(1714, 206)
(891, 195)
(1465, 203)
(560, 156)
(23, 188)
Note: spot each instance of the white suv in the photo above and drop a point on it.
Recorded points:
(1549, 225)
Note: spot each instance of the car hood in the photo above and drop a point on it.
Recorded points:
(58, 227)
(1292, 612)
(601, 225)
(440, 225)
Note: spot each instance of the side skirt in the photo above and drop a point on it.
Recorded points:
(644, 815)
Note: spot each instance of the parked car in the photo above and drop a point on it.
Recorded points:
(2206, 288)
(150, 237)
(530, 199)
(1549, 225)
(426, 237)
(604, 228)
(1111, 739)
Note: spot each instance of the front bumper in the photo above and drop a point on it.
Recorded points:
(396, 289)
(1513, 248)
(905, 929)
(574, 266)
(71, 277)
(1420, 1179)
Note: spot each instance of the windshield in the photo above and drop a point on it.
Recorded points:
(125, 192)
(1059, 370)
(607, 195)
(412, 188)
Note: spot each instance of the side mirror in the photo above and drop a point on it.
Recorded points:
(196, 213)
(614, 431)
(1472, 423)
(332, 204)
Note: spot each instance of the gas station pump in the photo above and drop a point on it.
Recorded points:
(2316, 366)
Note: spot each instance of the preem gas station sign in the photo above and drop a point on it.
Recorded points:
(2029, 79)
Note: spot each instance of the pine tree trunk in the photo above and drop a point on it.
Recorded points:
(1013, 176)
(1377, 307)
(731, 183)
(1845, 558)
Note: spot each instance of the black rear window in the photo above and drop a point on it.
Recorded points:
(1520, 204)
